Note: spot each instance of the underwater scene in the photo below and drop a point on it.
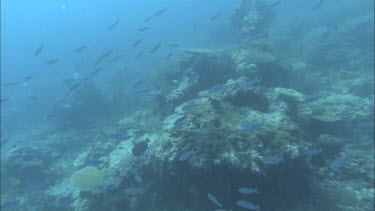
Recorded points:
(187, 105)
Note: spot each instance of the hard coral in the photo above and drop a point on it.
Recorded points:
(88, 178)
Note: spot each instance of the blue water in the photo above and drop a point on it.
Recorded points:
(77, 94)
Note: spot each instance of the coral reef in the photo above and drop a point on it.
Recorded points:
(293, 126)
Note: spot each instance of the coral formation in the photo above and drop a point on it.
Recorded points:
(88, 178)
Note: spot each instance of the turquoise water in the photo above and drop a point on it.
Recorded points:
(187, 105)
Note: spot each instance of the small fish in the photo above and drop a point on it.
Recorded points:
(204, 131)
(116, 59)
(93, 162)
(248, 84)
(272, 160)
(325, 35)
(195, 25)
(178, 123)
(5, 99)
(216, 88)
(52, 61)
(27, 78)
(186, 155)
(132, 191)
(180, 120)
(33, 98)
(215, 16)
(194, 77)
(311, 98)
(247, 205)
(138, 83)
(175, 45)
(78, 66)
(319, 4)
(139, 54)
(10, 203)
(92, 74)
(119, 135)
(361, 25)
(51, 116)
(338, 163)
(144, 90)
(148, 18)
(138, 179)
(313, 152)
(69, 81)
(136, 43)
(245, 190)
(366, 125)
(249, 127)
(66, 202)
(275, 3)
(33, 186)
(156, 47)
(11, 83)
(103, 56)
(189, 106)
(213, 199)
(169, 55)
(113, 25)
(75, 86)
(159, 12)
(143, 29)
(80, 49)
(38, 50)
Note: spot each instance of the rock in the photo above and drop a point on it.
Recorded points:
(290, 94)
(244, 56)
(324, 117)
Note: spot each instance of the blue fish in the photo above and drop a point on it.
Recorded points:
(365, 125)
(249, 127)
(138, 179)
(245, 190)
(213, 199)
(178, 124)
(190, 106)
(119, 135)
(319, 4)
(144, 90)
(180, 120)
(10, 203)
(132, 191)
(204, 131)
(311, 99)
(216, 88)
(338, 163)
(312, 152)
(186, 155)
(66, 202)
(247, 205)
(272, 160)
(194, 77)
(34, 186)
(93, 162)
(248, 84)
